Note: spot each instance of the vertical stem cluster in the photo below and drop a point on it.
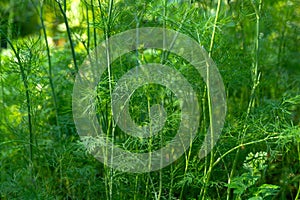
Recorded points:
(255, 80)
(210, 112)
(107, 31)
(110, 80)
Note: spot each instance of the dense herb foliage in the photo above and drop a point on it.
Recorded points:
(254, 43)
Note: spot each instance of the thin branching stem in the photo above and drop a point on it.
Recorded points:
(66, 21)
(255, 79)
(210, 111)
(28, 102)
(110, 81)
(41, 13)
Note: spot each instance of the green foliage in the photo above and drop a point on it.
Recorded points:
(255, 166)
(255, 45)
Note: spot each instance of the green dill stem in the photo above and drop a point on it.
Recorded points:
(150, 138)
(51, 81)
(105, 28)
(28, 103)
(161, 137)
(255, 80)
(203, 129)
(94, 22)
(298, 149)
(110, 80)
(171, 182)
(207, 176)
(282, 36)
(243, 145)
(87, 28)
(41, 12)
(2, 115)
(136, 188)
(63, 12)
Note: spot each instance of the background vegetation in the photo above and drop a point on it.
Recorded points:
(255, 44)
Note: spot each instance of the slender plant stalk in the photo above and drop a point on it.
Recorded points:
(161, 135)
(135, 195)
(10, 21)
(212, 40)
(88, 29)
(2, 106)
(282, 36)
(147, 186)
(41, 13)
(243, 145)
(187, 159)
(110, 80)
(255, 80)
(2, 90)
(298, 192)
(151, 134)
(171, 182)
(138, 63)
(207, 175)
(152, 184)
(94, 31)
(103, 19)
(63, 12)
(28, 104)
(204, 130)
(94, 22)
(106, 169)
